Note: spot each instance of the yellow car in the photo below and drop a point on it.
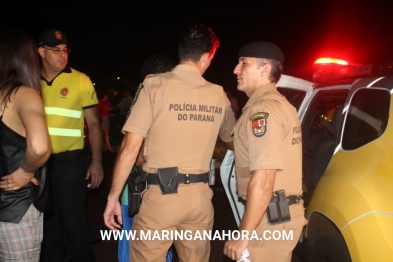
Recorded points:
(350, 212)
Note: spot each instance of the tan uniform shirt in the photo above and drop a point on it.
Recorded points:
(268, 136)
(180, 115)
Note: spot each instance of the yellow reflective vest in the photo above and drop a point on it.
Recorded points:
(65, 98)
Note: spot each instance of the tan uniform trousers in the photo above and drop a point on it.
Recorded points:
(190, 209)
(274, 245)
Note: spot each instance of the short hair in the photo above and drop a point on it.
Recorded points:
(19, 63)
(196, 40)
(277, 68)
(156, 64)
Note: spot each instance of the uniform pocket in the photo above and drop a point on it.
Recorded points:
(208, 194)
(298, 219)
(160, 198)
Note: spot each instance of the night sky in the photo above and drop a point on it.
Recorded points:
(112, 40)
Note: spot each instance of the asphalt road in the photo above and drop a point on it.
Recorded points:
(106, 251)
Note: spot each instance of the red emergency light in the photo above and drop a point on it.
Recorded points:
(328, 60)
(331, 69)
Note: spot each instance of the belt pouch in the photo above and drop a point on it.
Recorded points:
(285, 215)
(278, 209)
(273, 216)
(168, 180)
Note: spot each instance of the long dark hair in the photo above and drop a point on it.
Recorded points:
(19, 64)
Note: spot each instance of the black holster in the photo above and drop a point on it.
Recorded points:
(278, 209)
(137, 185)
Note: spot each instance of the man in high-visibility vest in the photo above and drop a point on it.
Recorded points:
(69, 98)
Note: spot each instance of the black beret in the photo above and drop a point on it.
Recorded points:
(262, 49)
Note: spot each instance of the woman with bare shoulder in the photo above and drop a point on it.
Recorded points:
(24, 147)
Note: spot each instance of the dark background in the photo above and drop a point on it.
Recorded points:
(112, 39)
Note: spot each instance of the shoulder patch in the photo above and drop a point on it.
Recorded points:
(258, 123)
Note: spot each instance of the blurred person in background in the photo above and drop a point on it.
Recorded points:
(104, 108)
(124, 105)
(24, 147)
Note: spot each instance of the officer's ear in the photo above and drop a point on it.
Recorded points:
(204, 62)
(205, 57)
(266, 69)
(212, 53)
(41, 51)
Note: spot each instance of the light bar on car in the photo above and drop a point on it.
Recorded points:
(327, 60)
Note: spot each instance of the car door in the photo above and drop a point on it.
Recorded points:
(350, 200)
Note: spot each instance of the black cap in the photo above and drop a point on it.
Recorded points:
(53, 37)
(262, 49)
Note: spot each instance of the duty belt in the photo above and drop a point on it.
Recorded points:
(152, 179)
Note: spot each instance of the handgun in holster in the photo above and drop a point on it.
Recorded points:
(137, 185)
(278, 208)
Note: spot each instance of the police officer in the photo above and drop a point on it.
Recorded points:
(268, 157)
(179, 114)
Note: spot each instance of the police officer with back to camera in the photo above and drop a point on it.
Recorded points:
(268, 159)
(179, 114)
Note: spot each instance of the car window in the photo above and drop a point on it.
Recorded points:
(319, 130)
(367, 117)
(321, 112)
(294, 96)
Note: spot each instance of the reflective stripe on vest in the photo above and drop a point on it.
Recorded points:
(53, 131)
(63, 112)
